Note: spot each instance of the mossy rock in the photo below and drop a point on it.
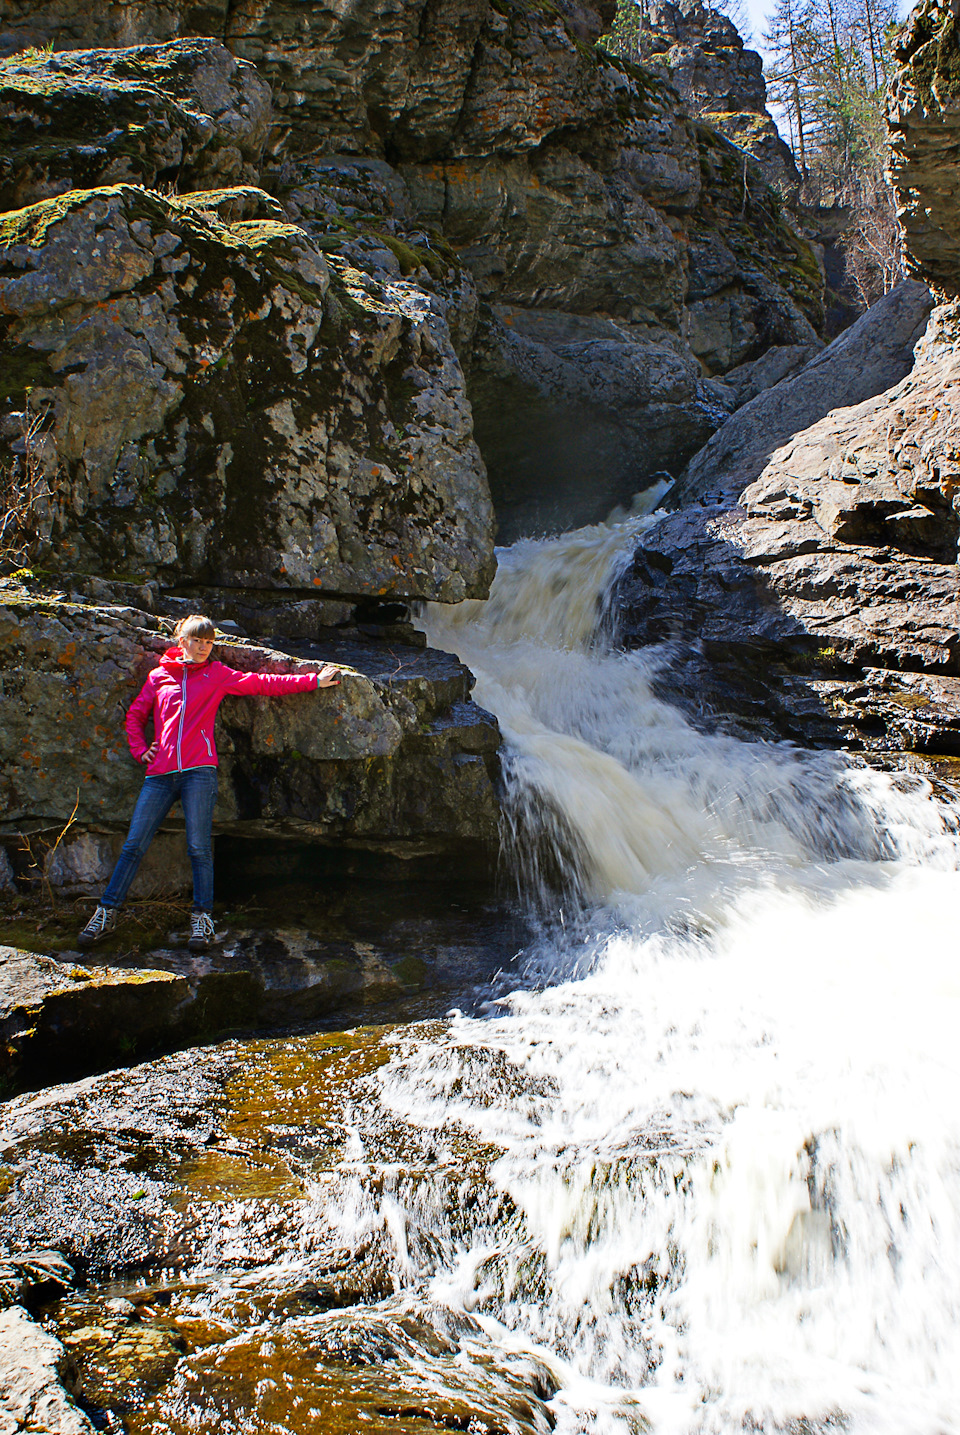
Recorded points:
(263, 425)
(186, 115)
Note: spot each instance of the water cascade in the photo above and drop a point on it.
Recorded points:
(724, 1098)
(690, 1167)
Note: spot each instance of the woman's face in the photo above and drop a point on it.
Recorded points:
(196, 650)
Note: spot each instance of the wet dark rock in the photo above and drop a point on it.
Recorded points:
(57, 1017)
(307, 936)
(233, 1160)
(22, 1276)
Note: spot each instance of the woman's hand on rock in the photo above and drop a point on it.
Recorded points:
(328, 676)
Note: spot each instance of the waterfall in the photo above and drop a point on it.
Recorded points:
(723, 1096)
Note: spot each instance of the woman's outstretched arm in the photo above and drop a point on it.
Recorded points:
(277, 683)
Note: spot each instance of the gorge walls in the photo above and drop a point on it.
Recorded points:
(813, 590)
(610, 248)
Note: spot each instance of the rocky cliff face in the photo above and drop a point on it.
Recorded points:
(721, 81)
(602, 228)
(924, 116)
(814, 590)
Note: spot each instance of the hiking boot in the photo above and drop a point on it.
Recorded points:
(102, 924)
(201, 931)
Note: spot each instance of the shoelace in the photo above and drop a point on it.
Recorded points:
(201, 925)
(99, 920)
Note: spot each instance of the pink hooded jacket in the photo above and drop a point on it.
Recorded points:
(182, 698)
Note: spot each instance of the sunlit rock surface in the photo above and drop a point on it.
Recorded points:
(924, 122)
(189, 115)
(32, 1394)
(721, 80)
(865, 361)
(813, 593)
(231, 1160)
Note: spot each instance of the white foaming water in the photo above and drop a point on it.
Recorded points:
(729, 1128)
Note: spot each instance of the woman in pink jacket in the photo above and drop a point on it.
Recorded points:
(182, 695)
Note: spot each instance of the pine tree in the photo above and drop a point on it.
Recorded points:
(792, 39)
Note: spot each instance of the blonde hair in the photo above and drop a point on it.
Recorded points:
(196, 626)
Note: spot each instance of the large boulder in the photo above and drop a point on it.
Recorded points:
(815, 595)
(228, 408)
(188, 115)
(867, 359)
(884, 473)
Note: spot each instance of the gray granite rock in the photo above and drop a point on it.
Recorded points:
(779, 362)
(494, 116)
(198, 373)
(869, 358)
(824, 604)
(924, 123)
(189, 115)
(573, 427)
(32, 1394)
(721, 80)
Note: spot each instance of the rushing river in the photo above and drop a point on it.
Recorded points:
(736, 1138)
(694, 1167)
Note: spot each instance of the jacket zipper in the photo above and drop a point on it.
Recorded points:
(207, 741)
(183, 711)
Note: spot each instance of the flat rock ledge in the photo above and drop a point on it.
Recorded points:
(63, 1016)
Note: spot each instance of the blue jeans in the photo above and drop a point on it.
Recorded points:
(197, 790)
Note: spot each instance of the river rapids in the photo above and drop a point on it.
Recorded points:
(692, 1166)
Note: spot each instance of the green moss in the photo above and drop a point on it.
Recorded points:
(412, 257)
(908, 700)
(32, 55)
(412, 972)
(821, 659)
